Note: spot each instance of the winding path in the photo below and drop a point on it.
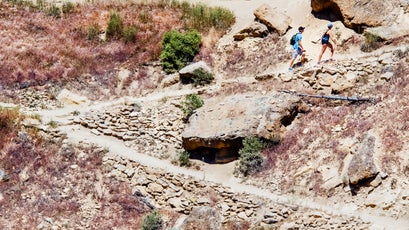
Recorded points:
(222, 174)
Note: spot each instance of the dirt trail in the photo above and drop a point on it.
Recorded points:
(222, 174)
(219, 173)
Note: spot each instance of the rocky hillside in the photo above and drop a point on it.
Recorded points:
(336, 152)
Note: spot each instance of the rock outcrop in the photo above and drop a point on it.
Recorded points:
(273, 18)
(359, 15)
(254, 30)
(216, 130)
(188, 71)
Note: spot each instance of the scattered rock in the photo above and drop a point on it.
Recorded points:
(254, 30)
(362, 165)
(206, 217)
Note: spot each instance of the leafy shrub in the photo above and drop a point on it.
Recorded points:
(130, 34)
(67, 7)
(178, 49)
(184, 159)
(191, 103)
(54, 11)
(93, 32)
(115, 26)
(152, 221)
(201, 77)
(250, 160)
(372, 42)
(52, 124)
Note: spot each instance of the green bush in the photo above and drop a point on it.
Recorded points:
(93, 32)
(250, 157)
(67, 7)
(184, 158)
(152, 221)
(191, 103)
(129, 34)
(178, 49)
(372, 42)
(54, 11)
(115, 26)
(52, 124)
(201, 77)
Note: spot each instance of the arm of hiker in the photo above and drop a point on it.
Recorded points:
(300, 45)
(332, 37)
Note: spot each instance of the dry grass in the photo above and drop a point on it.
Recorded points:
(38, 48)
(64, 183)
(9, 124)
(54, 189)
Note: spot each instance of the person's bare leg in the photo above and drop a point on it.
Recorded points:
(324, 47)
(332, 50)
(292, 62)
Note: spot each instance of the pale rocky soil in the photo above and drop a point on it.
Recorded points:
(223, 174)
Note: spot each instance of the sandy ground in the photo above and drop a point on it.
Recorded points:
(298, 10)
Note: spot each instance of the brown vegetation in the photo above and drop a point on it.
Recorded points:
(40, 48)
(58, 182)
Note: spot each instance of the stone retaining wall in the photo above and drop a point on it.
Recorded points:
(152, 130)
(182, 193)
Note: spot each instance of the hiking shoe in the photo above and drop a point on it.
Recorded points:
(291, 69)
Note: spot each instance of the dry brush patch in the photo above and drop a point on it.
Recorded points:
(63, 183)
(39, 48)
(313, 141)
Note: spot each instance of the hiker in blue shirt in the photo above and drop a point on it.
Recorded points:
(298, 49)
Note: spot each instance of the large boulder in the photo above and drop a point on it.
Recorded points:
(356, 14)
(273, 18)
(362, 166)
(216, 130)
(187, 72)
(399, 28)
